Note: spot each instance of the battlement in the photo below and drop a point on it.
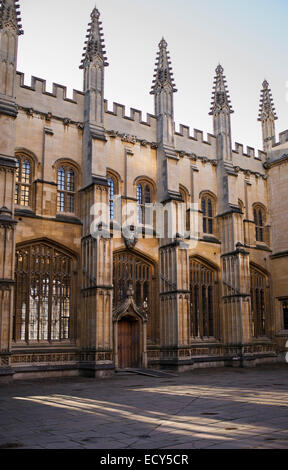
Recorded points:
(119, 110)
(116, 118)
(38, 85)
(250, 152)
(198, 136)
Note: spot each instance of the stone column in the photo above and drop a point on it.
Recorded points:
(7, 260)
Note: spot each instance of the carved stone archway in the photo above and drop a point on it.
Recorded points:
(129, 312)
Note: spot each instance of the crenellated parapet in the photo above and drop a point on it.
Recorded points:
(128, 124)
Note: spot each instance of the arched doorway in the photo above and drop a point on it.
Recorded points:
(129, 334)
(129, 342)
(136, 269)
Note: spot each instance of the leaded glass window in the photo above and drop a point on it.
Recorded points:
(43, 294)
(23, 181)
(143, 194)
(259, 219)
(129, 269)
(111, 184)
(203, 291)
(207, 207)
(259, 301)
(65, 190)
(285, 314)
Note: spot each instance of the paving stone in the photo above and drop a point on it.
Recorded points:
(200, 409)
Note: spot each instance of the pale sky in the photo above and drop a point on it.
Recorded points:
(249, 38)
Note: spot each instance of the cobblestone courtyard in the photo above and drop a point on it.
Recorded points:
(207, 408)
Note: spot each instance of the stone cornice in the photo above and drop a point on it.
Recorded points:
(279, 254)
(8, 162)
(49, 116)
(279, 161)
(129, 138)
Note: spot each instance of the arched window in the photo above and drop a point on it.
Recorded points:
(259, 300)
(285, 314)
(43, 302)
(185, 195)
(114, 187)
(23, 188)
(130, 269)
(259, 219)
(66, 182)
(111, 184)
(208, 211)
(143, 194)
(204, 298)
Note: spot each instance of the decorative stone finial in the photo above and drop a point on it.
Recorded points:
(94, 46)
(10, 15)
(220, 96)
(163, 75)
(266, 108)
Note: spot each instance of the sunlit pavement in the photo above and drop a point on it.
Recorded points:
(203, 409)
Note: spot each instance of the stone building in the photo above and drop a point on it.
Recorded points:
(127, 243)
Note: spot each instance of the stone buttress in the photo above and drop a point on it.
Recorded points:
(235, 273)
(10, 29)
(173, 256)
(96, 328)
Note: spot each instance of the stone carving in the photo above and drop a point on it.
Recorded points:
(112, 133)
(10, 16)
(66, 121)
(94, 50)
(221, 98)
(130, 237)
(131, 139)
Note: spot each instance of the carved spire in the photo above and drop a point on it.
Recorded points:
(94, 45)
(10, 15)
(163, 75)
(267, 109)
(220, 95)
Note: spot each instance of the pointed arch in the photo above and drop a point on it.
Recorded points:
(29, 153)
(260, 299)
(114, 181)
(184, 192)
(24, 178)
(44, 294)
(145, 195)
(147, 179)
(260, 219)
(47, 241)
(68, 177)
(204, 294)
(135, 269)
(208, 203)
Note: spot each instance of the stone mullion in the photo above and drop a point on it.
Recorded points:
(28, 281)
(50, 299)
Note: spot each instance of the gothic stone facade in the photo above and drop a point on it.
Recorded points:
(88, 281)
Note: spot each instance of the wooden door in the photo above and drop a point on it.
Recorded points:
(128, 343)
